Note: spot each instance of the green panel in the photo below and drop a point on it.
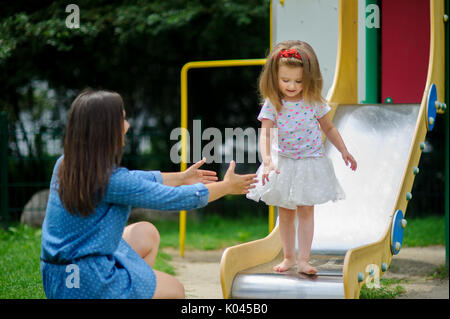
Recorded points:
(372, 56)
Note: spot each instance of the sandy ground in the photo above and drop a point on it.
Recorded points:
(199, 272)
(415, 265)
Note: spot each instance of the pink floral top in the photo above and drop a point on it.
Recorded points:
(299, 134)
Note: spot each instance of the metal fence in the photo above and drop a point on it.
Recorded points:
(3, 168)
(28, 155)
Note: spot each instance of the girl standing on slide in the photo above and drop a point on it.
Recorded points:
(296, 174)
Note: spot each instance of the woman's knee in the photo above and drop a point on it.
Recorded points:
(147, 230)
(168, 287)
(142, 236)
(151, 231)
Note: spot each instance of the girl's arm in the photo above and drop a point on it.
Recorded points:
(265, 140)
(333, 135)
(265, 144)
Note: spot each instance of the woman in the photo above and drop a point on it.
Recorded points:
(87, 249)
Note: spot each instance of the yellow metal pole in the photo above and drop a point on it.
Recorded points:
(271, 218)
(184, 117)
(183, 164)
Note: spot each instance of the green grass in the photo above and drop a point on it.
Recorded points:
(389, 289)
(426, 231)
(212, 232)
(440, 272)
(20, 275)
(20, 249)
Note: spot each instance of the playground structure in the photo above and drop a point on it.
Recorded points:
(354, 239)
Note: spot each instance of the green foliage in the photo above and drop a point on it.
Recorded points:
(136, 48)
(129, 46)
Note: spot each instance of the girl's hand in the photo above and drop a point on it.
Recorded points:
(239, 184)
(194, 175)
(348, 159)
(268, 167)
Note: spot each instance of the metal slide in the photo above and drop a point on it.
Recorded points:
(379, 137)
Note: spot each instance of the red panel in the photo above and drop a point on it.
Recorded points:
(405, 42)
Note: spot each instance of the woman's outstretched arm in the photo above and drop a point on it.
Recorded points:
(192, 175)
(126, 188)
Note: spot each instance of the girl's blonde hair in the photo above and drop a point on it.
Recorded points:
(312, 77)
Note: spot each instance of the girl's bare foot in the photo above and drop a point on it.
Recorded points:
(285, 265)
(305, 268)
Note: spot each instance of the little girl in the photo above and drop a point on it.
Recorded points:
(295, 174)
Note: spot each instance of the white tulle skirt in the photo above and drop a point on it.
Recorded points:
(309, 181)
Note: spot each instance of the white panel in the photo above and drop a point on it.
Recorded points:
(312, 21)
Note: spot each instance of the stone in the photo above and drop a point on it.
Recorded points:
(34, 211)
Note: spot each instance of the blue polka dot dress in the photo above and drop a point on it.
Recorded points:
(86, 257)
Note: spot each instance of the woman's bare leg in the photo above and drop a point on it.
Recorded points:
(167, 287)
(286, 218)
(143, 237)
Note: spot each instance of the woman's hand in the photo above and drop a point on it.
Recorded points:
(238, 184)
(348, 159)
(268, 167)
(232, 183)
(194, 175)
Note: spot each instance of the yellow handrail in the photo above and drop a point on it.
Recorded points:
(184, 118)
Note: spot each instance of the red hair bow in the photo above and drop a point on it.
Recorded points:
(289, 54)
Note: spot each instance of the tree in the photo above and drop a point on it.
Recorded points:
(136, 48)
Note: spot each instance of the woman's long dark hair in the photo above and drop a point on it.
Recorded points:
(93, 146)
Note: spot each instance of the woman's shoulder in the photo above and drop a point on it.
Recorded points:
(58, 161)
(118, 172)
(56, 167)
